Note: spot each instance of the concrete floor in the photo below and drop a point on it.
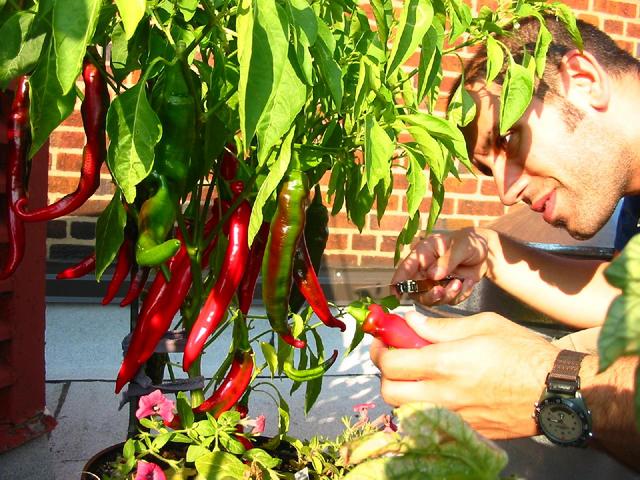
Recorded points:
(83, 354)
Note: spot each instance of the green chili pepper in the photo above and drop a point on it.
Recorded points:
(316, 233)
(155, 221)
(176, 109)
(310, 373)
(285, 230)
(177, 113)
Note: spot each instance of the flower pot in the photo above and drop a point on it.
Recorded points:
(98, 465)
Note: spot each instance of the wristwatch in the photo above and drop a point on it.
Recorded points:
(561, 412)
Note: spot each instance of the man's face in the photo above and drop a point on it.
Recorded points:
(573, 176)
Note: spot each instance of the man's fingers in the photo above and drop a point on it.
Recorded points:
(430, 391)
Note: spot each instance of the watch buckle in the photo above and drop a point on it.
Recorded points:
(566, 384)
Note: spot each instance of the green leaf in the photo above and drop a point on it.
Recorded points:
(184, 410)
(437, 197)
(382, 194)
(161, 440)
(270, 356)
(417, 182)
(74, 23)
(134, 130)
(542, 47)
(444, 432)
(196, 451)
(569, 19)
(620, 334)
(288, 99)
(462, 108)
(22, 43)
(188, 8)
(415, 21)
(359, 199)
(305, 31)
(48, 106)
(624, 270)
(430, 65)
(125, 53)
(329, 69)
(460, 16)
(263, 43)
(276, 172)
(430, 148)
(109, 233)
(495, 59)
(304, 20)
(129, 449)
(406, 235)
(383, 13)
(131, 12)
(378, 149)
(261, 457)
(443, 130)
(516, 95)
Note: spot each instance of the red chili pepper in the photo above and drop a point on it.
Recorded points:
(160, 306)
(247, 287)
(94, 111)
(18, 144)
(391, 329)
(86, 265)
(123, 266)
(305, 277)
(136, 286)
(229, 163)
(232, 387)
(229, 278)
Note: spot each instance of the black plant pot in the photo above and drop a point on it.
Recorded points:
(100, 464)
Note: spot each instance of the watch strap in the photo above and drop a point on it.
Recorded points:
(564, 376)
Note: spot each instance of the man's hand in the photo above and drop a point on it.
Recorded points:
(461, 253)
(486, 368)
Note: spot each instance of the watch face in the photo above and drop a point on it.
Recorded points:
(560, 422)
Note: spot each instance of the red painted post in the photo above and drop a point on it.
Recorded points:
(22, 315)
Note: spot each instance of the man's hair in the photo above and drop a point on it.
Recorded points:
(615, 60)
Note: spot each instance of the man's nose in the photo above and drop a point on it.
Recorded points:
(511, 184)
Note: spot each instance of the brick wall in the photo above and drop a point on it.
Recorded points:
(471, 201)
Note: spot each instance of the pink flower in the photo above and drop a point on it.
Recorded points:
(149, 471)
(363, 408)
(260, 424)
(389, 426)
(155, 404)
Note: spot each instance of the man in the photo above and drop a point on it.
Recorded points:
(571, 157)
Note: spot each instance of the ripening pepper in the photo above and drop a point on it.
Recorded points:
(286, 228)
(18, 145)
(391, 329)
(94, 113)
(316, 233)
(310, 373)
(308, 284)
(229, 278)
(235, 383)
(162, 302)
(247, 287)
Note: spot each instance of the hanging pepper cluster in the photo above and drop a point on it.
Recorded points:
(187, 228)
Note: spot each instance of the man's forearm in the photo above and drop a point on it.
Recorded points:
(610, 397)
(572, 291)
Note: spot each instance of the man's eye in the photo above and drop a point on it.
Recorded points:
(503, 141)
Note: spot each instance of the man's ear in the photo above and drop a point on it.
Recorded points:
(585, 82)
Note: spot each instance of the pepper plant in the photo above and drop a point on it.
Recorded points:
(222, 117)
